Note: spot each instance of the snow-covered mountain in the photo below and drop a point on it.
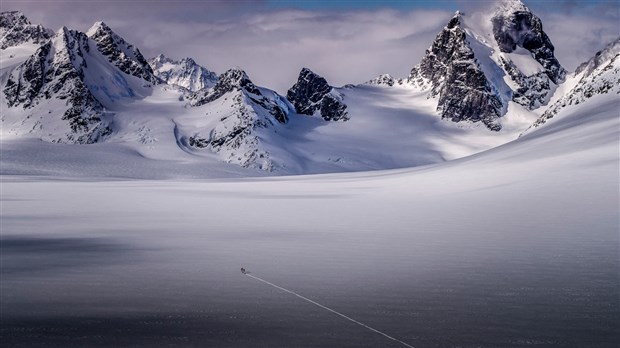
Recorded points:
(488, 71)
(62, 91)
(16, 29)
(598, 76)
(480, 63)
(53, 80)
(242, 115)
(184, 73)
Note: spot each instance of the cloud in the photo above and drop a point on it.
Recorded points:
(272, 47)
(578, 32)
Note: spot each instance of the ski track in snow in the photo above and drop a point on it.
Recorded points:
(331, 310)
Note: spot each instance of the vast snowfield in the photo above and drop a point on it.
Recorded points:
(516, 246)
(404, 229)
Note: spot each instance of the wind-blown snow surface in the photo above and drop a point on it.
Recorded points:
(517, 246)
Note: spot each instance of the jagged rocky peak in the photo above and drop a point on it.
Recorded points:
(53, 76)
(16, 29)
(600, 75)
(448, 46)
(602, 56)
(312, 95)
(184, 73)
(48, 68)
(121, 53)
(234, 79)
(479, 63)
(450, 71)
(247, 115)
(160, 60)
(526, 53)
(514, 26)
(384, 79)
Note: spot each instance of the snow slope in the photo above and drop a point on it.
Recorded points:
(66, 90)
(389, 128)
(514, 246)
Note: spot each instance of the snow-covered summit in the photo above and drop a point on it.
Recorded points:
(383, 79)
(240, 119)
(518, 28)
(53, 79)
(121, 53)
(62, 92)
(234, 79)
(481, 62)
(509, 6)
(16, 29)
(184, 73)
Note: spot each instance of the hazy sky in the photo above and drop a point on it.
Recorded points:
(347, 41)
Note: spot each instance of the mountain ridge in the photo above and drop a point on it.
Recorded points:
(89, 87)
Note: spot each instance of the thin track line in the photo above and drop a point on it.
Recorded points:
(331, 310)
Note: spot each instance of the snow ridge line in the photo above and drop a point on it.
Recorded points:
(331, 310)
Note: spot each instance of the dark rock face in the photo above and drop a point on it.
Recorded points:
(124, 55)
(523, 29)
(601, 75)
(333, 109)
(532, 91)
(16, 29)
(307, 93)
(57, 72)
(514, 26)
(237, 80)
(312, 93)
(451, 71)
(232, 80)
(466, 96)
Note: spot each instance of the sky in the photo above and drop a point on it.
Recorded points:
(346, 41)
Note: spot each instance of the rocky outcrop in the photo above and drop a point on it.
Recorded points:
(185, 73)
(599, 75)
(450, 71)
(16, 29)
(514, 25)
(312, 95)
(246, 113)
(122, 54)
